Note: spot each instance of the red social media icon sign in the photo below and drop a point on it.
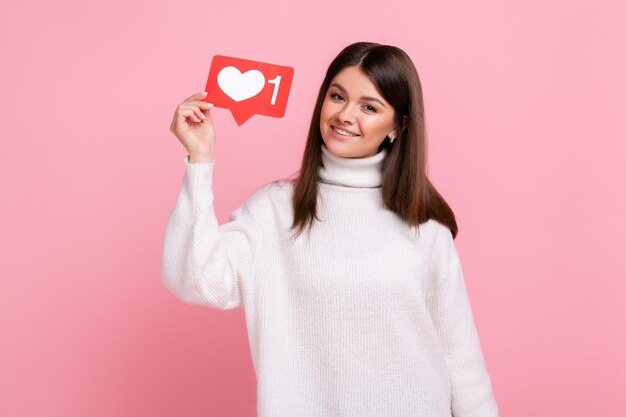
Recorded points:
(248, 87)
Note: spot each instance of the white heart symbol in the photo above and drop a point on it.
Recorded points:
(240, 86)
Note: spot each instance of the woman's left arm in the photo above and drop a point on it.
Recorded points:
(451, 312)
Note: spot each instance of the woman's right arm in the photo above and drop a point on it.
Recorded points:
(203, 262)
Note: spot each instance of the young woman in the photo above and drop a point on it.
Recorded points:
(367, 313)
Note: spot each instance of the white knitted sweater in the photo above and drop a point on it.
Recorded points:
(364, 318)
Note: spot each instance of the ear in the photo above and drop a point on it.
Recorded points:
(405, 122)
(394, 132)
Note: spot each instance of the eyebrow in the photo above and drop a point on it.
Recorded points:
(363, 97)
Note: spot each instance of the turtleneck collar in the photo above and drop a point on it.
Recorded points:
(352, 172)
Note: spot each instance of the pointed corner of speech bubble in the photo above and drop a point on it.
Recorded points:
(241, 115)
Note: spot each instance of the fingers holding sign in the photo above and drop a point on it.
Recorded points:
(193, 126)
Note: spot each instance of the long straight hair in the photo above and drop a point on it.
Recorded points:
(406, 189)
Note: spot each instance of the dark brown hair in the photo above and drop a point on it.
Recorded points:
(406, 189)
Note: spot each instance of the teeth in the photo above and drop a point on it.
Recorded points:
(343, 132)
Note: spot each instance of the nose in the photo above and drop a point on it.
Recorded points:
(346, 114)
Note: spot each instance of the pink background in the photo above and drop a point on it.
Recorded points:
(525, 107)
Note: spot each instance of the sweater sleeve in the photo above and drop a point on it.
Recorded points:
(205, 263)
(449, 304)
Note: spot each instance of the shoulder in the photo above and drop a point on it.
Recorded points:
(440, 230)
(263, 200)
(443, 246)
(435, 232)
(273, 192)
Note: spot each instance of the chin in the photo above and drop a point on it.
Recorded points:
(345, 150)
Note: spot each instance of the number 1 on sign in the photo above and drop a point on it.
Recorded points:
(276, 82)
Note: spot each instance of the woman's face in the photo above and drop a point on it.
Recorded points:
(353, 104)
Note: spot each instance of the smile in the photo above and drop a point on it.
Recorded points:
(344, 132)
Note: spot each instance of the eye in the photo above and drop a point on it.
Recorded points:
(370, 108)
(334, 95)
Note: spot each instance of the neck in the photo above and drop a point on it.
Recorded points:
(352, 172)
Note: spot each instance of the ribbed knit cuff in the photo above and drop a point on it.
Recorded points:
(198, 181)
